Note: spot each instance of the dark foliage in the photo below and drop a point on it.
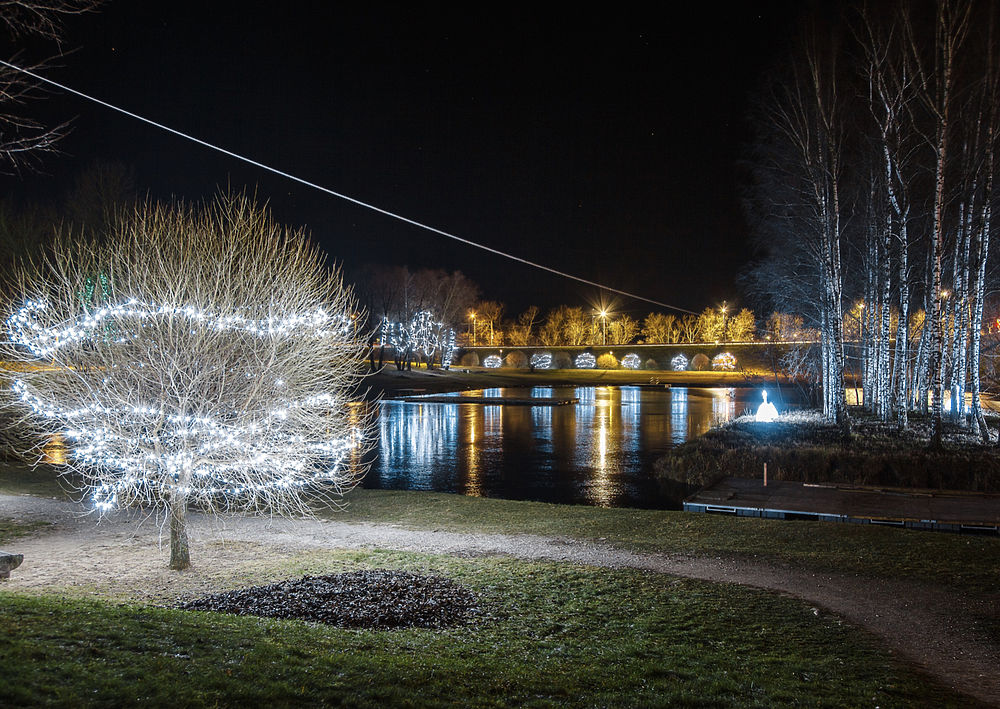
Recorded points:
(380, 599)
(806, 449)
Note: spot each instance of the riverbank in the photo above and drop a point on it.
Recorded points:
(802, 447)
(391, 382)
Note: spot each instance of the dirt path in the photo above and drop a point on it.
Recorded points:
(928, 626)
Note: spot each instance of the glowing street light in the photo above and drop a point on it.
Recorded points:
(472, 317)
(604, 327)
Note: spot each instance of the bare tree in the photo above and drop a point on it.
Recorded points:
(687, 328)
(521, 332)
(488, 314)
(660, 328)
(935, 78)
(622, 330)
(213, 364)
(23, 139)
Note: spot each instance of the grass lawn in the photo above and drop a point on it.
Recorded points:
(970, 564)
(560, 634)
(967, 563)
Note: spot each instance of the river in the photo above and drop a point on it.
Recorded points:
(599, 451)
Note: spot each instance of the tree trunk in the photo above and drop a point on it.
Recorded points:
(180, 553)
(902, 331)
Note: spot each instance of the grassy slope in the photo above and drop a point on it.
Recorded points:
(967, 563)
(561, 634)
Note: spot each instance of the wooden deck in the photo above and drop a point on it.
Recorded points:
(913, 509)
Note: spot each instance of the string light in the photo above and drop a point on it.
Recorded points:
(25, 328)
(492, 361)
(586, 361)
(631, 361)
(144, 450)
(541, 360)
(724, 361)
(679, 363)
(423, 334)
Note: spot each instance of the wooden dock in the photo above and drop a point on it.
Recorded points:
(912, 509)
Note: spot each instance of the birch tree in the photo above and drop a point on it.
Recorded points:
(198, 356)
(806, 112)
(934, 75)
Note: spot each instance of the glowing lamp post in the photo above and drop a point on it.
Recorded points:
(604, 327)
(472, 317)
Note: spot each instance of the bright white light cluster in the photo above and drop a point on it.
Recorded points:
(492, 362)
(541, 360)
(129, 318)
(145, 451)
(586, 361)
(724, 361)
(423, 335)
(679, 363)
(631, 361)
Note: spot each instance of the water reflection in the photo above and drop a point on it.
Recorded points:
(599, 451)
(55, 451)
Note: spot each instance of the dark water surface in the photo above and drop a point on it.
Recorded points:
(597, 452)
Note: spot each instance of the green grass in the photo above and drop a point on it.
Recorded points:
(967, 563)
(970, 564)
(11, 529)
(561, 635)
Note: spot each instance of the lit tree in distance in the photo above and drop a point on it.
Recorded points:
(227, 376)
(424, 336)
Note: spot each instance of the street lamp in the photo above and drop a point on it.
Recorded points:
(472, 317)
(604, 327)
(724, 308)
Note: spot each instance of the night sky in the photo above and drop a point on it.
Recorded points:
(605, 144)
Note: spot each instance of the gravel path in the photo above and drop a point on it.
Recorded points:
(928, 626)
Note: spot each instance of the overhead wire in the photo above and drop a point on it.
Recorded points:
(339, 195)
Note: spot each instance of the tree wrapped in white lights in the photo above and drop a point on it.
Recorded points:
(724, 361)
(631, 361)
(492, 361)
(216, 369)
(541, 360)
(424, 336)
(585, 360)
(679, 363)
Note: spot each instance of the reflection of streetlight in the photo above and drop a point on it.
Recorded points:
(472, 317)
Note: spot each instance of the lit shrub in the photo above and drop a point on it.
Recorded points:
(492, 362)
(679, 363)
(516, 360)
(651, 364)
(724, 361)
(541, 360)
(469, 359)
(631, 361)
(607, 361)
(700, 363)
(561, 360)
(585, 361)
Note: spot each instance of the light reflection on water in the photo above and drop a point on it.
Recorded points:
(598, 452)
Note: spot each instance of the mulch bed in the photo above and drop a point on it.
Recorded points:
(379, 599)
